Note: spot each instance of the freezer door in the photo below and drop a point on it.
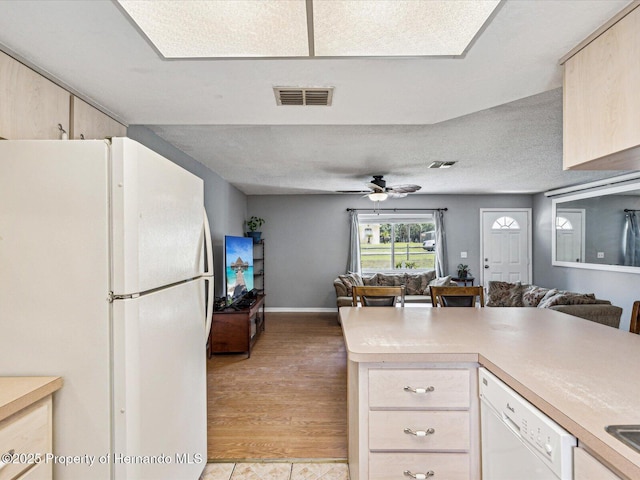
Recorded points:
(157, 230)
(54, 279)
(160, 384)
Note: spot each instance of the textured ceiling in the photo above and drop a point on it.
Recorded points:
(497, 111)
(513, 148)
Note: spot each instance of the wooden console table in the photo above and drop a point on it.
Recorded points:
(231, 329)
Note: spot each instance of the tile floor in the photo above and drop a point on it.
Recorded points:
(276, 471)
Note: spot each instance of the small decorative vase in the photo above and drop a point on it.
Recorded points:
(255, 236)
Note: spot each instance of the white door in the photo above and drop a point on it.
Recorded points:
(570, 235)
(157, 220)
(160, 383)
(506, 245)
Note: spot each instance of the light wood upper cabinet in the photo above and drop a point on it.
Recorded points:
(31, 107)
(90, 123)
(601, 100)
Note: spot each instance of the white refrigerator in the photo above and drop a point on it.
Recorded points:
(106, 280)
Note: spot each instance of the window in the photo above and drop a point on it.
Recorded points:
(397, 242)
(505, 223)
(563, 223)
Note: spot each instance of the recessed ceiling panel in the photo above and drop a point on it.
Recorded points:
(222, 28)
(397, 27)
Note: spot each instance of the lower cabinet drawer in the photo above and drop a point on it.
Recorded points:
(445, 466)
(419, 388)
(392, 430)
(26, 432)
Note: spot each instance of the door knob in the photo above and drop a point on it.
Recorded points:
(486, 266)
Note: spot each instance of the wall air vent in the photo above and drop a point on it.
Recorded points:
(442, 164)
(303, 96)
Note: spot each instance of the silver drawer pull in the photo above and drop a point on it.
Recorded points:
(430, 388)
(420, 433)
(419, 476)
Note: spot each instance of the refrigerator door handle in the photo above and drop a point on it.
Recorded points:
(209, 309)
(209, 275)
(207, 245)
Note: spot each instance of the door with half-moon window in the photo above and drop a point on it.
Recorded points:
(506, 245)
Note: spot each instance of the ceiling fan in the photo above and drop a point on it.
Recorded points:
(378, 190)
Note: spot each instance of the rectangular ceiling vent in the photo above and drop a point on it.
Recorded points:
(442, 164)
(303, 96)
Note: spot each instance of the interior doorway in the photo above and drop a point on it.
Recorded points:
(505, 245)
(570, 235)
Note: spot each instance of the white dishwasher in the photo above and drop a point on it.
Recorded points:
(519, 442)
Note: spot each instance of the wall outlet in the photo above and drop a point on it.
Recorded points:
(463, 254)
(600, 254)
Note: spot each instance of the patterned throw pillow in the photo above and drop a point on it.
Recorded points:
(350, 280)
(416, 283)
(441, 282)
(504, 294)
(370, 281)
(532, 295)
(567, 298)
(391, 280)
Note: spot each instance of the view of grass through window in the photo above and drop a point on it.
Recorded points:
(397, 246)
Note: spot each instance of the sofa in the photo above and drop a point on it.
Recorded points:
(583, 305)
(416, 285)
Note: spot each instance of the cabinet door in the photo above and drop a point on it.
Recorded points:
(601, 101)
(31, 107)
(586, 467)
(91, 124)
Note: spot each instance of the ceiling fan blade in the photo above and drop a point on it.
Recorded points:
(375, 188)
(353, 191)
(404, 188)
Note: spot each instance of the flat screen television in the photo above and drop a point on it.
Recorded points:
(238, 261)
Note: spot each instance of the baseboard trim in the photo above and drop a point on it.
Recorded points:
(300, 310)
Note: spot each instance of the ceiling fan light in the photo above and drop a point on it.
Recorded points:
(378, 196)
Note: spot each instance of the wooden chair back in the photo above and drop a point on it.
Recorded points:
(634, 326)
(378, 296)
(456, 296)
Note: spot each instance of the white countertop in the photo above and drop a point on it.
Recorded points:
(582, 374)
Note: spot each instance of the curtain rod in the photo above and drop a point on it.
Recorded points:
(398, 209)
(630, 210)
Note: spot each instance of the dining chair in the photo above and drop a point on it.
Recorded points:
(634, 326)
(456, 296)
(378, 296)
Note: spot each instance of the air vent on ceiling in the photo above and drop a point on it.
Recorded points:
(303, 96)
(441, 164)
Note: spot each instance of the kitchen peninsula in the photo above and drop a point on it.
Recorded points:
(581, 374)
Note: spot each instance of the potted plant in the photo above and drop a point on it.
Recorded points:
(463, 271)
(253, 224)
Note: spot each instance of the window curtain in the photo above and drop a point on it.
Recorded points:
(631, 240)
(441, 244)
(353, 259)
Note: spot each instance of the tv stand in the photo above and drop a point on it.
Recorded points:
(231, 330)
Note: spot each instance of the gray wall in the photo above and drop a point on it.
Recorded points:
(226, 205)
(307, 237)
(620, 288)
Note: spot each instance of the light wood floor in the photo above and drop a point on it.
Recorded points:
(288, 401)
